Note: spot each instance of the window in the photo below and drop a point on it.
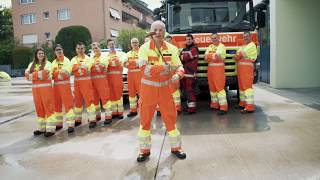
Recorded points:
(114, 14)
(26, 1)
(46, 15)
(47, 35)
(28, 19)
(114, 33)
(30, 39)
(63, 14)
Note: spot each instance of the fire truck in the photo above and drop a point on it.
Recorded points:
(201, 18)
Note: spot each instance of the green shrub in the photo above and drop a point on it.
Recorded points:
(69, 36)
(126, 35)
(6, 48)
(22, 56)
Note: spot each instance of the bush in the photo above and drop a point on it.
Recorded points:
(103, 44)
(48, 49)
(69, 36)
(6, 48)
(126, 35)
(22, 56)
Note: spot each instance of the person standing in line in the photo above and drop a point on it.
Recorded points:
(114, 75)
(83, 89)
(39, 72)
(215, 55)
(100, 84)
(189, 56)
(61, 71)
(134, 76)
(245, 57)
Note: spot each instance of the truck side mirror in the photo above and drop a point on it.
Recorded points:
(261, 19)
(157, 14)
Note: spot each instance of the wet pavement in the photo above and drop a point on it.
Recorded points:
(279, 141)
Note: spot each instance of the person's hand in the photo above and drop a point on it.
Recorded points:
(175, 78)
(97, 68)
(142, 63)
(156, 70)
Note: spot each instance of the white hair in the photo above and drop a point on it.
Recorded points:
(96, 44)
(155, 23)
(134, 39)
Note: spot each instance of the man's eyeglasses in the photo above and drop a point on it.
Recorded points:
(58, 49)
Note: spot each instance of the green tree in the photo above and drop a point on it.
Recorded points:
(48, 49)
(103, 44)
(22, 56)
(7, 42)
(69, 36)
(126, 35)
(6, 27)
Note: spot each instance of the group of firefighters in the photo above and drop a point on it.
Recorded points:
(155, 72)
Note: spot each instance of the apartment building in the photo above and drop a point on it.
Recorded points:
(38, 21)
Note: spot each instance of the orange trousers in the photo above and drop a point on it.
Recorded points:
(101, 92)
(134, 83)
(44, 105)
(116, 86)
(83, 90)
(217, 80)
(245, 81)
(63, 96)
(116, 91)
(150, 98)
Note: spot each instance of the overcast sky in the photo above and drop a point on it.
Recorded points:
(152, 4)
(5, 3)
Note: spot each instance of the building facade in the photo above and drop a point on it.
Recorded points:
(38, 21)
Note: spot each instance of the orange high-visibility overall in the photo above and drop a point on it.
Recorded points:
(42, 92)
(156, 65)
(246, 56)
(61, 71)
(83, 89)
(100, 86)
(115, 81)
(134, 79)
(215, 55)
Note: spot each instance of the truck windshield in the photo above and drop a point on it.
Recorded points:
(209, 16)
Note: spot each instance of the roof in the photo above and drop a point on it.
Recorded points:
(141, 6)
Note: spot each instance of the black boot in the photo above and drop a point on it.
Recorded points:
(114, 116)
(92, 125)
(158, 113)
(142, 157)
(120, 116)
(179, 154)
(48, 134)
(221, 112)
(246, 111)
(131, 114)
(58, 128)
(77, 124)
(98, 118)
(70, 129)
(107, 121)
(37, 132)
